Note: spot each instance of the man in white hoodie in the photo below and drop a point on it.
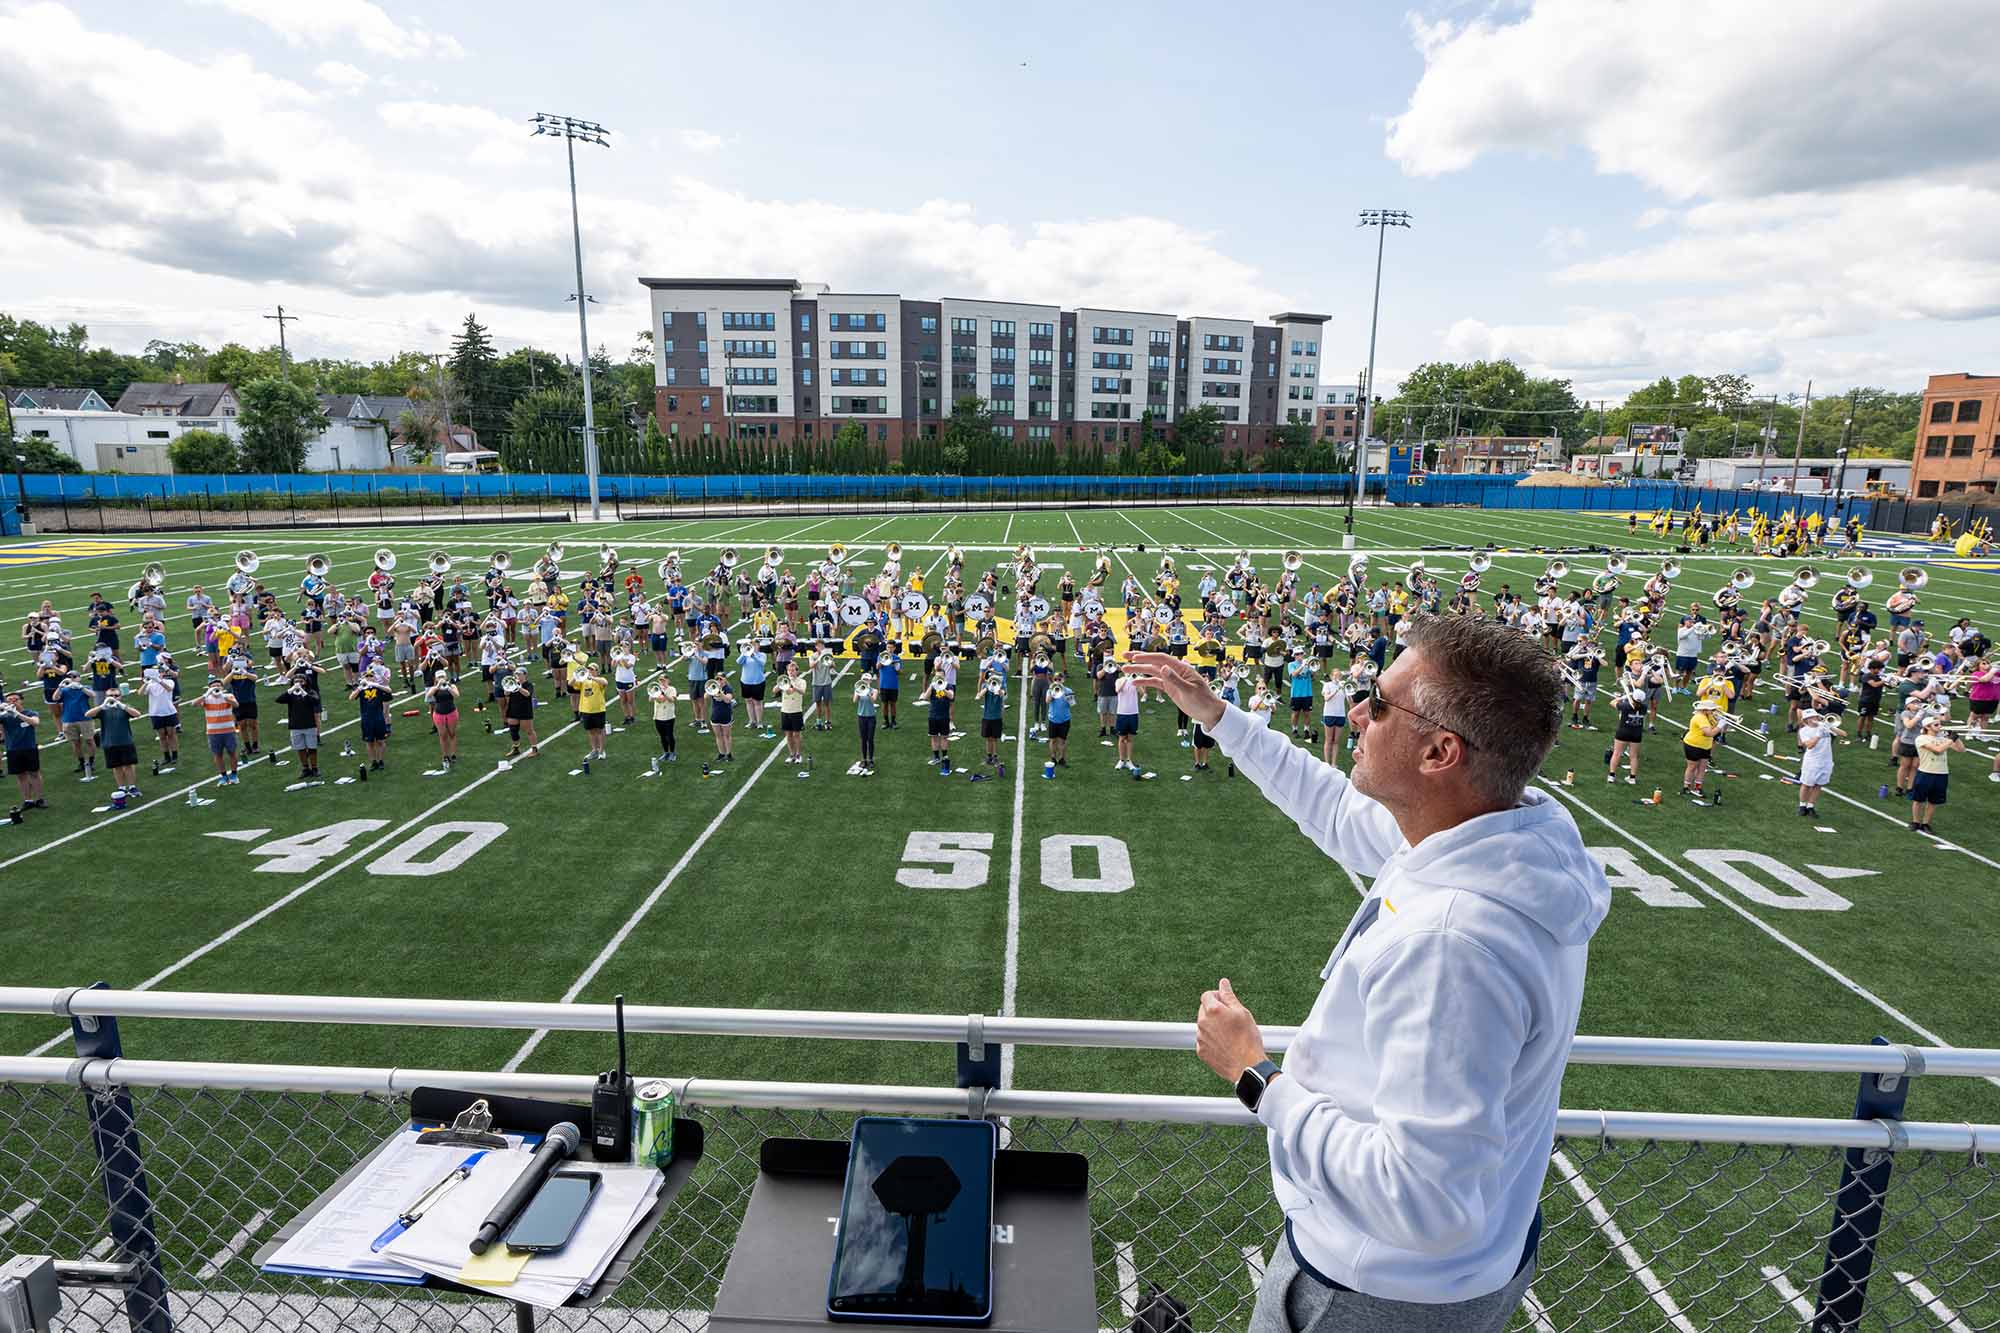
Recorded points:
(1411, 1125)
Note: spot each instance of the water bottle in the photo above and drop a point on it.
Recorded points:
(1048, 768)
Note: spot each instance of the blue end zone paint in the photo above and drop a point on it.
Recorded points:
(17, 555)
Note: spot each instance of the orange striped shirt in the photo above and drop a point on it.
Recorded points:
(221, 716)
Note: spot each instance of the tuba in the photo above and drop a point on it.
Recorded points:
(247, 562)
(439, 563)
(1479, 563)
(1617, 565)
(1859, 577)
(894, 551)
(1805, 576)
(837, 553)
(1166, 564)
(1558, 569)
(1671, 570)
(1741, 579)
(1912, 577)
(1292, 561)
(385, 560)
(728, 557)
(154, 576)
(607, 557)
(500, 561)
(555, 553)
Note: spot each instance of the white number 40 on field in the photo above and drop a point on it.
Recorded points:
(418, 854)
(966, 864)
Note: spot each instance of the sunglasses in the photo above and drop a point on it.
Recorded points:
(1377, 697)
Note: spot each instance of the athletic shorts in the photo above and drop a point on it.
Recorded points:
(222, 743)
(1128, 725)
(1586, 692)
(657, 642)
(989, 728)
(1695, 754)
(1929, 788)
(1904, 750)
(753, 691)
(593, 721)
(24, 761)
(1107, 705)
(120, 756)
(440, 719)
(162, 723)
(940, 726)
(406, 652)
(1630, 732)
(305, 738)
(1333, 721)
(1302, 703)
(1984, 707)
(246, 710)
(890, 694)
(822, 694)
(1058, 731)
(1685, 663)
(371, 730)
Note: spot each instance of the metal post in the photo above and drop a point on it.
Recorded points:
(1857, 1207)
(570, 130)
(1798, 452)
(127, 1195)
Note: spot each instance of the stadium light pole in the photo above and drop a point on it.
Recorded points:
(1381, 219)
(570, 130)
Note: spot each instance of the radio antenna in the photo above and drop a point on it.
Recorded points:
(619, 1002)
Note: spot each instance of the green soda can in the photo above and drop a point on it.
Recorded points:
(653, 1124)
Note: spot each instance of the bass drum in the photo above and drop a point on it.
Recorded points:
(914, 606)
(853, 611)
(1037, 608)
(978, 604)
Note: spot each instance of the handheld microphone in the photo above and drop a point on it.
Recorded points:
(560, 1142)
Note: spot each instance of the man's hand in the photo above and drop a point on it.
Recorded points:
(1180, 682)
(1225, 1035)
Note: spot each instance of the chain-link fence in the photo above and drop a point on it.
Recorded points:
(1638, 1234)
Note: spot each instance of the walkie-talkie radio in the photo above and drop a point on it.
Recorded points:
(611, 1104)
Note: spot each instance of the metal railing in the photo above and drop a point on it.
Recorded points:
(1652, 1220)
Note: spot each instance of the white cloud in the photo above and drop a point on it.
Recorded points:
(1831, 168)
(699, 141)
(340, 76)
(1610, 352)
(194, 166)
(331, 22)
(1562, 242)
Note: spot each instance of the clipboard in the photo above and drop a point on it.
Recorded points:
(529, 1119)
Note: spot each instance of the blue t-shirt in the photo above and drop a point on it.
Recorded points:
(116, 726)
(991, 706)
(890, 673)
(940, 708)
(75, 701)
(1059, 707)
(150, 646)
(20, 736)
(1302, 684)
(752, 664)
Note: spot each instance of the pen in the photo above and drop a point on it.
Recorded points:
(422, 1203)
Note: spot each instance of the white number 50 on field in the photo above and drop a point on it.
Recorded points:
(965, 856)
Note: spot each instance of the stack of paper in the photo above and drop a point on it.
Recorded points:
(437, 1244)
(335, 1242)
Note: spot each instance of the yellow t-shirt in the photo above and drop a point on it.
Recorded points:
(590, 695)
(1701, 731)
(1718, 690)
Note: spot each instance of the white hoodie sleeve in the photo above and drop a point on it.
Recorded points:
(1444, 1025)
(1349, 827)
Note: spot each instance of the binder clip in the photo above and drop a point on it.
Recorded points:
(472, 1128)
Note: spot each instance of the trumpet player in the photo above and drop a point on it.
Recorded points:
(822, 686)
(590, 687)
(373, 694)
(939, 693)
(1631, 730)
(792, 690)
(1705, 724)
(1299, 674)
(24, 754)
(1334, 697)
(1061, 701)
(1587, 661)
(1934, 749)
(992, 714)
(1816, 733)
(867, 698)
(721, 716)
(664, 699)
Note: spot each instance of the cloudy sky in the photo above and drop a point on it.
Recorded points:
(1604, 191)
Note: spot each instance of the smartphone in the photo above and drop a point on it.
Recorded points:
(916, 1223)
(551, 1216)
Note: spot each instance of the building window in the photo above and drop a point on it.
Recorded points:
(1926, 488)
(1040, 407)
(1002, 407)
(881, 434)
(1961, 446)
(1041, 356)
(701, 319)
(1003, 379)
(805, 374)
(805, 321)
(1102, 334)
(1111, 360)
(927, 323)
(1221, 365)
(1953, 487)
(706, 400)
(667, 319)
(1003, 354)
(704, 374)
(1940, 411)
(667, 347)
(759, 347)
(1040, 432)
(673, 402)
(1968, 409)
(1003, 328)
(965, 326)
(1041, 330)
(749, 319)
(671, 375)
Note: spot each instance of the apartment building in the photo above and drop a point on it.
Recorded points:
(781, 359)
(1958, 437)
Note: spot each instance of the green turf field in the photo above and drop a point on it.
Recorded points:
(762, 889)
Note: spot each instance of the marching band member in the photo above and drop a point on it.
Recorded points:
(888, 673)
(373, 694)
(939, 694)
(74, 703)
(625, 676)
(665, 699)
(822, 686)
(590, 690)
(867, 695)
(1933, 765)
(442, 699)
(303, 714)
(163, 712)
(121, 753)
(241, 678)
(1631, 731)
(792, 688)
(1060, 699)
(1705, 724)
(1816, 734)
(721, 717)
(24, 754)
(1333, 715)
(1300, 671)
(218, 708)
(992, 714)
(1125, 724)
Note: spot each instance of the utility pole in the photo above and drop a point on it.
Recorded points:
(284, 356)
(1764, 438)
(570, 130)
(1381, 219)
(1798, 452)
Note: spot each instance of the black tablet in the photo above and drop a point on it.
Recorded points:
(915, 1239)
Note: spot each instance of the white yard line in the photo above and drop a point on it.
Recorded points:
(1073, 529)
(1135, 527)
(1011, 974)
(1846, 982)
(1128, 1278)
(1599, 1214)
(1009, 532)
(1254, 1264)
(1787, 1292)
(1927, 1298)
(1538, 1314)
(639, 914)
(941, 527)
(212, 1267)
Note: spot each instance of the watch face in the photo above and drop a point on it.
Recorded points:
(1249, 1088)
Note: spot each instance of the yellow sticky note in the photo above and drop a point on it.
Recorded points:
(498, 1267)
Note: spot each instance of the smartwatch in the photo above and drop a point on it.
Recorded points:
(1250, 1084)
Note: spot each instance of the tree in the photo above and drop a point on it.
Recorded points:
(39, 455)
(280, 418)
(418, 430)
(1482, 398)
(473, 365)
(967, 435)
(236, 365)
(539, 437)
(204, 451)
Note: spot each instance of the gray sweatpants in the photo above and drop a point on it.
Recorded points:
(1291, 1302)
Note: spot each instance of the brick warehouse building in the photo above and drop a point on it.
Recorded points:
(775, 358)
(1958, 437)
